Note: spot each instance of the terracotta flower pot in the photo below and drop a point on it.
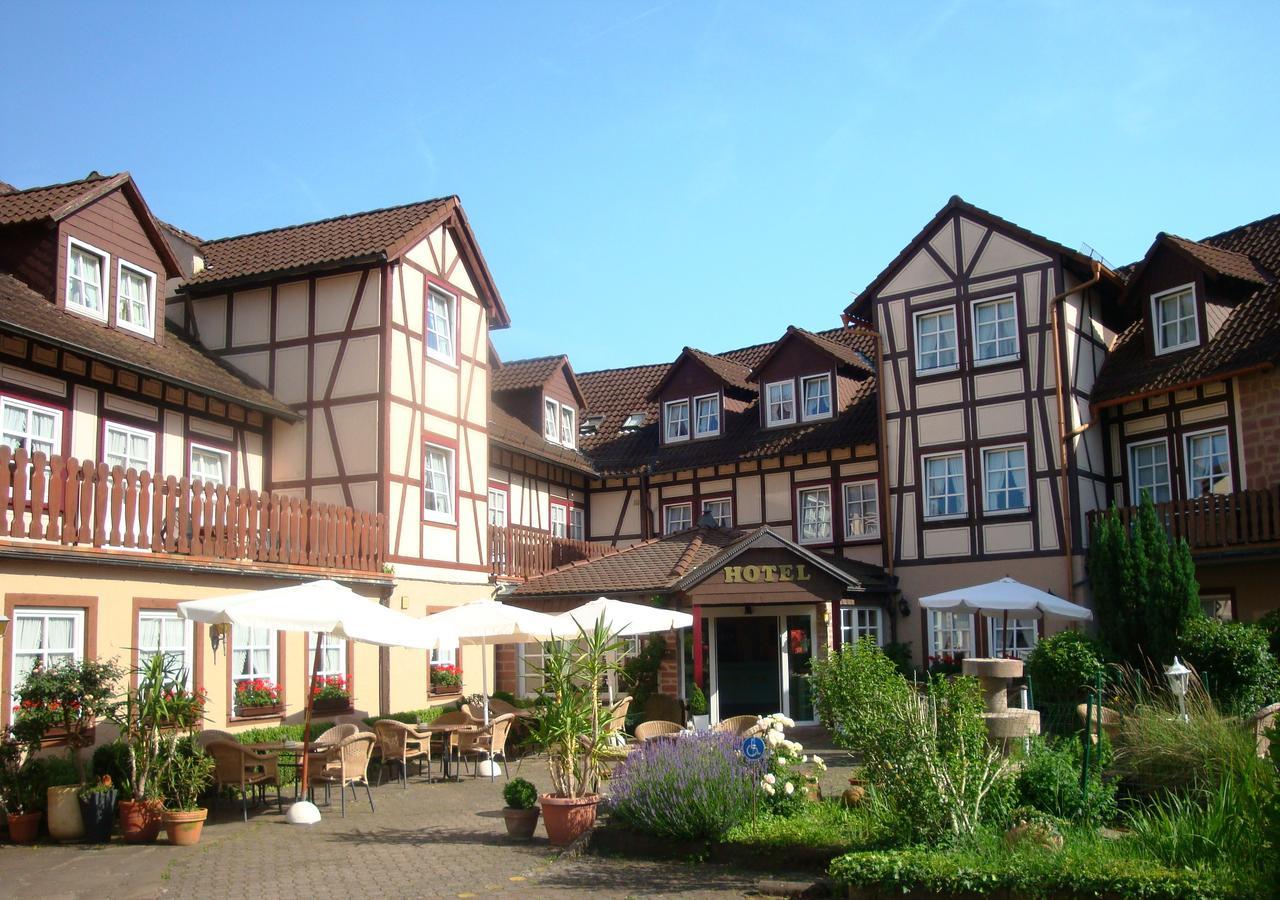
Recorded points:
(98, 812)
(567, 818)
(140, 821)
(23, 827)
(855, 793)
(183, 827)
(65, 823)
(521, 823)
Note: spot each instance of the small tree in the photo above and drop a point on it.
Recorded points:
(1144, 586)
(72, 696)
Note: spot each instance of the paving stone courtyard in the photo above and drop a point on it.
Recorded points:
(442, 839)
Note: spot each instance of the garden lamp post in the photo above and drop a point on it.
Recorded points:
(1179, 677)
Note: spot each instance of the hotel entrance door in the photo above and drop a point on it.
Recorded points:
(748, 665)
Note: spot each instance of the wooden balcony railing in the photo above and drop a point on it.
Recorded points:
(517, 551)
(1240, 520)
(90, 505)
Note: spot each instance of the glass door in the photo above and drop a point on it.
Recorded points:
(748, 665)
(797, 643)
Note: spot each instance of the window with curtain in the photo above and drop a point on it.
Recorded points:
(1149, 471)
(1208, 464)
(995, 330)
(676, 416)
(814, 506)
(1019, 639)
(86, 271)
(858, 622)
(577, 524)
(129, 448)
(950, 633)
(440, 326)
(134, 301)
(677, 517)
(936, 340)
(861, 510)
(1005, 478)
(497, 507)
(816, 390)
(551, 420)
(559, 520)
(333, 656)
(568, 426)
(45, 637)
(30, 427)
(1175, 319)
(165, 632)
(944, 486)
(437, 483)
(780, 403)
(706, 415)
(253, 653)
(210, 465)
(721, 510)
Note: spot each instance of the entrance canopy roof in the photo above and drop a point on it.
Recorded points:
(1005, 596)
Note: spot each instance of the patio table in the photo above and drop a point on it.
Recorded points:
(449, 730)
(275, 748)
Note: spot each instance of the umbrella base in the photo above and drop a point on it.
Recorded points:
(304, 812)
(488, 768)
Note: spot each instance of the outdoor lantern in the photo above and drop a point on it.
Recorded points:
(1179, 677)
(4, 624)
(218, 634)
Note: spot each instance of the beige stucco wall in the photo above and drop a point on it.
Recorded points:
(409, 667)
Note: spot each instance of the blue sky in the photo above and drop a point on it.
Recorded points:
(645, 176)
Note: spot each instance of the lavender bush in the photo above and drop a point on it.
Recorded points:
(695, 786)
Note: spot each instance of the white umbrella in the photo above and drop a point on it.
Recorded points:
(620, 618)
(325, 608)
(1006, 596)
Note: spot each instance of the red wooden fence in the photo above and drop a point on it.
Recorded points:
(1217, 521)
(89, 504)
(517, 551)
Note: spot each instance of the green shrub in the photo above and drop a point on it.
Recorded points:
(1064, 667)
(825, 827)
(1234, 661)
(412, 716)
(1270, 623)
(269, 734)
(519, 793)
(697, 701)
(900, 654)
(1201, 828)
(1049, 780)
(851, 690)
(112, 759)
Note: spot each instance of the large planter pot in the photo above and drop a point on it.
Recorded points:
(521, 823)
(98, 810)
(568, 818)
(139, 821)
(23, 827)
(63, 810)
(183, 827)
(340, 705)
(702, 723)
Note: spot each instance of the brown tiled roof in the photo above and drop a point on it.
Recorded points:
(350, 238)
(24, 311)
(732, 374)
(182, 233)
(1249, 337)
(615, 393)
(848, 355)
(6, 188)
(653, 565)
(515, 434)
(525, 374)
(39, 204)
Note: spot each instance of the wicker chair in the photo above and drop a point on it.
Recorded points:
(237, 766)
(742, 726)
(346, 764)
(663, 708)
(447, 743)
(213, 734)
(399, 743)
(647, 730)
(490, 743)
(617, 723)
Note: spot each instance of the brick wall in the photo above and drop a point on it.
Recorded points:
(1260, 428)
(504, 667)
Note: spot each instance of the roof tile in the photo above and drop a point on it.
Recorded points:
(40, 203)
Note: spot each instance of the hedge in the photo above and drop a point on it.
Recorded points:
(409, 717)
(1031, 874)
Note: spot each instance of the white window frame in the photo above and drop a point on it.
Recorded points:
(1157, 332)
(206, 448)
(856, 623)
(1215, 604)
(944, 621)
(130, 432)
(812, 489)
(867, 533)
(444, 656)
(1192, 493)
(698, 430)
(550, 420)
(668, 421)
(978, 359)
(577, 523)
(568, 426)
(29, 407)
(559, 519)
(770, 420)
(924, 485)
(451, 304)
(272, 645)
(330, 643)
(987, 508)
(448, 517)
(955, 335)
(666, 516)
(633, 422)
(1135, 492)
(149, 329)
(104, 289)
(718, 500)
(995, 624)
(505, 497)
(186, 651)
(44, 613)
(804, 402)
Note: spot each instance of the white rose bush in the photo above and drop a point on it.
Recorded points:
(790, 776)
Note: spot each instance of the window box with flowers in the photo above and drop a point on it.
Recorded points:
(258, 697)
(330, 694)
(445, 679)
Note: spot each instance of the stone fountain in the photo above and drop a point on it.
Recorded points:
(1004, 723)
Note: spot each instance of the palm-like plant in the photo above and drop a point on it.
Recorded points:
(142, 713)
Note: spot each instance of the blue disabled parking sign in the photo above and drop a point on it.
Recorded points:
(753, 748)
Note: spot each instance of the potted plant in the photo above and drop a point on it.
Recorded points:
(330, 694)
(571, 726)
(185, 772)
(98, 809)
(699, 710)
(521, 811)
(257, 697)
(19, 792)
(445, 679)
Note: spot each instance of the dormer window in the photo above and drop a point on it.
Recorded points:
(816, 390)
(780, 403)
(590, 425)
(676, 416)
(706, 419)
(551, 420)
(135, 299)
(568, 426)
(1174, 315)
(633, 421)
(86, 275)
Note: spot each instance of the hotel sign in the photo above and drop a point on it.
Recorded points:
(758, 574)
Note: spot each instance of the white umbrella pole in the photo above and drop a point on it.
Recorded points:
(484, 679)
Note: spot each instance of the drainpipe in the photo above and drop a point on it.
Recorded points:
(1065, 436)
(646, 525)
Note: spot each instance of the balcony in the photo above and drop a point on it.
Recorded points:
(519, 553)
(1243, 521)
(88, 506)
